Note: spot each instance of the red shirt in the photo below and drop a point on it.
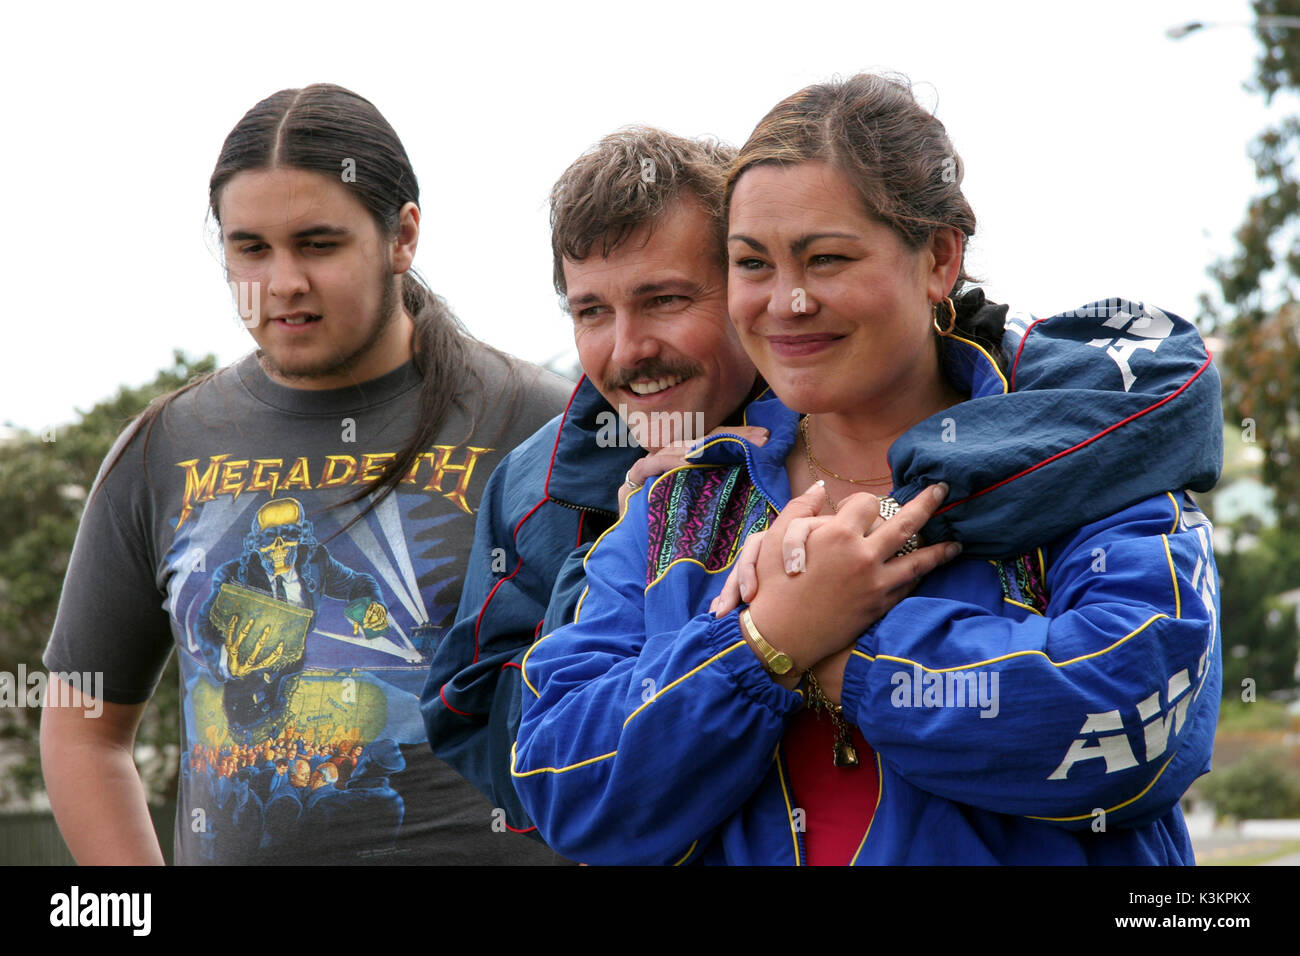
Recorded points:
(838, 802)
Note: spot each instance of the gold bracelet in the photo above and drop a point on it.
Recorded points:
(775, 661)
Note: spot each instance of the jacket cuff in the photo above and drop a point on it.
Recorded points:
(745, 669)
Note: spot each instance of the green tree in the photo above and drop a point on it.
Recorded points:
(1260, 316)
(1260, 636)
(44, 482)
(1259, 787)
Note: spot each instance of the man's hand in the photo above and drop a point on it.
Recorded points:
(675, 455)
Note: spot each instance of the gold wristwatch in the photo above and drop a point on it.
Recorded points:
(777, 662)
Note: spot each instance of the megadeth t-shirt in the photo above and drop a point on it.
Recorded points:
(304, 625)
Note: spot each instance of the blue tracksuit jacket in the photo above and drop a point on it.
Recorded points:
(651, 734)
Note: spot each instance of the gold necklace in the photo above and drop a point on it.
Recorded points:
(814, 465)
(813, 475)
(844, 753)
(807, 444)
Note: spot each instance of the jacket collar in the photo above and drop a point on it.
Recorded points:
(592, 453)
(969, 367)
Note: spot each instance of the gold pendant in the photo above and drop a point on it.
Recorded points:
(845, 754)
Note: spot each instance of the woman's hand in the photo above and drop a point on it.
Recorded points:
(853, 575)
(742, 582)
(674, 456)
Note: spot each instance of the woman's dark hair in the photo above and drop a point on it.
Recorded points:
(895, 153)
(319, 128)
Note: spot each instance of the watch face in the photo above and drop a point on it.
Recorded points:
(781, 664)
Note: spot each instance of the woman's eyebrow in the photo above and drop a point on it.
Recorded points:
(803, 242)
(798, 245)
(737, 237)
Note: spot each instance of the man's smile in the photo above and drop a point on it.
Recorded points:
(653, 386)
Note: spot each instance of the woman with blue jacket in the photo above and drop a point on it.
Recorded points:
(873, 701)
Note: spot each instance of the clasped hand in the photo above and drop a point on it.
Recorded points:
(834, 575)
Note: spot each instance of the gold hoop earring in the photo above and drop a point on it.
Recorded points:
(952, 316)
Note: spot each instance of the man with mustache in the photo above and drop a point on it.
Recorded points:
(640, 265)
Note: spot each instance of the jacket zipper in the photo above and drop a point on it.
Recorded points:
(588, 508)
(801, 854)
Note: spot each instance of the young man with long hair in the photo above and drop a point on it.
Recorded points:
(297, 525)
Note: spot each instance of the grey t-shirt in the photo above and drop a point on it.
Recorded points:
(303, 641)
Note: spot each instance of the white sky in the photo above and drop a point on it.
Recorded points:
(1102, 159)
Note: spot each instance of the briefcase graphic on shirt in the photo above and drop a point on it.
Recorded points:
(259, 632)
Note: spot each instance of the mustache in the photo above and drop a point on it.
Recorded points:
(652, 369)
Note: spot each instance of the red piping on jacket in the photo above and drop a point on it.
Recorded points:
(449, 707)
(478, 621)
(1087, 441)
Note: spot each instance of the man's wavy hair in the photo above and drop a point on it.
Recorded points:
(625, 182)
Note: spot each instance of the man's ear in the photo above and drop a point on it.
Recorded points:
(945, 249)
(408, 236)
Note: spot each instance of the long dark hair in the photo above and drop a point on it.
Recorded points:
(318, 128)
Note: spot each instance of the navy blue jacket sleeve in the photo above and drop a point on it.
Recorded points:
(569, 585)
(470, 702)
(497, 740)
(1102, 406)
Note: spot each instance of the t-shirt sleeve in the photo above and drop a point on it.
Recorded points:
(111, 618)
